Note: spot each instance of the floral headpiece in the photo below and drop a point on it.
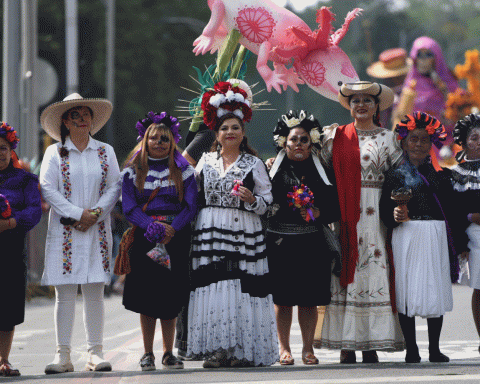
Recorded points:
(158, 118)
(296, 119)
(434, 127)
(462, 129)
(9, 134)
(223, 99)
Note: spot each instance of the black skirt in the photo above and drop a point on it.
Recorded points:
(300, 269)
(154, 290)
(13, 273)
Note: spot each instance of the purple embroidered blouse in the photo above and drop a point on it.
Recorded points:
(166, 202)
(21, 190)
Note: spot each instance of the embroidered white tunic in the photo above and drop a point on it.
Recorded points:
(82, 180)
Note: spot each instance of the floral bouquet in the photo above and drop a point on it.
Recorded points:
(237, 184)
(301, 197)
(156, 234)
(5, 209)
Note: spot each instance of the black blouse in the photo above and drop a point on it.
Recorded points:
(423, 205)
(294, 173)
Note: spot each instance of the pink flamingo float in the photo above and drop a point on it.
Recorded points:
(275, 34)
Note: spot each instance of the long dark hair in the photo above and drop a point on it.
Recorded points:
(244, 146)
(64, 132)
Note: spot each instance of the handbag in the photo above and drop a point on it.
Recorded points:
(122, 261)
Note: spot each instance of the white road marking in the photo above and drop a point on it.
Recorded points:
(368, 380)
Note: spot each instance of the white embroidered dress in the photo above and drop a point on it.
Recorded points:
(360, 316)
(82, 180)
(229, 309)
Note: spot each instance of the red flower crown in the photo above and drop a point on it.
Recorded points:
(223, 99)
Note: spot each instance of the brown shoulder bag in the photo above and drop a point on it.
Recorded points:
(122, 262)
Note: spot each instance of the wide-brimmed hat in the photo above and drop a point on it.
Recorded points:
(393, 62)
(51, 118)
(384, 94)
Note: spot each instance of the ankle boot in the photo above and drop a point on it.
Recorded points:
(95, 360)
(61, 363)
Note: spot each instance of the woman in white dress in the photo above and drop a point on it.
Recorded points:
(231, 316)
(466, 183)
(79, 178)
(361, 314)
(417, 203)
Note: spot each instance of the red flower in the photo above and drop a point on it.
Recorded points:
(8, 212)
(10, 136)
(222, 86)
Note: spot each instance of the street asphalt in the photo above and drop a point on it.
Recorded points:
(34, 347)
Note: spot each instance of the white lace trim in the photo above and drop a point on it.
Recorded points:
(222, 318)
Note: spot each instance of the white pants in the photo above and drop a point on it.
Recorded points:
(93, 313)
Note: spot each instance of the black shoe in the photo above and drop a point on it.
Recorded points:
(412, 358)
(169, 361)
(347, 357)
(438, 357)
(370, 357)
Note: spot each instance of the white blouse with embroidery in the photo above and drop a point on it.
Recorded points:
(81, 180)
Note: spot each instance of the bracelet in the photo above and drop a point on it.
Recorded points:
(469, 217)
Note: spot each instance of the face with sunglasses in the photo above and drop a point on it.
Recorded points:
(298, 145)
(159, 143)
(425, 61)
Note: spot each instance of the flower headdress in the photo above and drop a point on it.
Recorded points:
(434, 128)
(462, 129)
(158, 118)
(294, 119)
(225, 98)
(9, 134)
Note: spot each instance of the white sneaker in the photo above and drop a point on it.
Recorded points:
(61, 363)
(95, 360)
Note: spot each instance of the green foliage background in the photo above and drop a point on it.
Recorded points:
(154, 55)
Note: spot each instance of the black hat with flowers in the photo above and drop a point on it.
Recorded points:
(293, 119)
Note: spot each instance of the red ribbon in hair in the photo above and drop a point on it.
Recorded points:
(15, 161)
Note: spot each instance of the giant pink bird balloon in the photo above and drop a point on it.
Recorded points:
(275, 34)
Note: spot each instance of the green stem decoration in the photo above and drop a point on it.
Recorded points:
(225, 54)
(237, 65)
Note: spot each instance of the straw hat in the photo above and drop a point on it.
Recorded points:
(392, 63)
(384, 94)
(51, 118)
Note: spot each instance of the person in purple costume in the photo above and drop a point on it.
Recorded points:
(20, 211)
(434, 80)
(152, 289)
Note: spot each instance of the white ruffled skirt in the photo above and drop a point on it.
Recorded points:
(228, 254)
(422, 268)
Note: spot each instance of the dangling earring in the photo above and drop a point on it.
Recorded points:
(219, 148)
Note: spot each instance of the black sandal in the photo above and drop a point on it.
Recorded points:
(147, 362)
(169, 361)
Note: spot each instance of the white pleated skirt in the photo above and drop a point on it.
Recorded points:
(422, 268)
(473, 232)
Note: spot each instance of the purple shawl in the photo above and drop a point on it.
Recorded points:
(429, 98)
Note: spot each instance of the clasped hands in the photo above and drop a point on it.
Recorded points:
(88, 219)
(169, 232)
